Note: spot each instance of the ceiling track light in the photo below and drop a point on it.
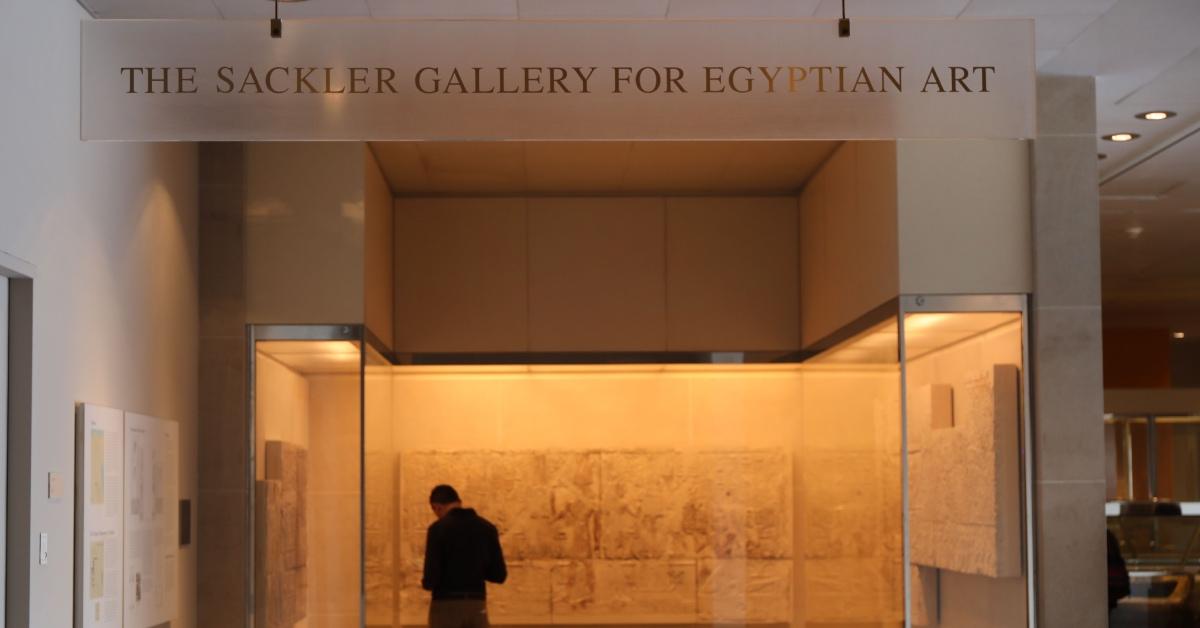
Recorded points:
(1120, 137)
(1155, 116)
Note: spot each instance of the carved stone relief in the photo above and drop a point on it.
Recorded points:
(633, 536)
(281, 575)
(964, 479)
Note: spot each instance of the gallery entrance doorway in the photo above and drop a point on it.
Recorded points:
(608, 348)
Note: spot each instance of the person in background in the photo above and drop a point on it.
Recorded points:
(462, 553)
(1118, 574)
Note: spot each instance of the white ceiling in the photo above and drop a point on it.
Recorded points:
(1145, 54)
(598, 168)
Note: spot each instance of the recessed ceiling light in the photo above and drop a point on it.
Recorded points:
(1134, 232)
(1178, 335)
(1155, 115)
(1121, 137)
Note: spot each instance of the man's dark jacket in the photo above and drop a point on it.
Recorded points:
(462, 550)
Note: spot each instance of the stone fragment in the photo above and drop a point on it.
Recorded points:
(607, 535)
(624, 591)
(964, 483)
(843, 503)
(745, 591)
(573, 479)
(644, 504)
(525, 597)
(746, 501)
(846, 590)
(281, 537)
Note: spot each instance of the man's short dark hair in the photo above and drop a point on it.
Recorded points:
(443, 494)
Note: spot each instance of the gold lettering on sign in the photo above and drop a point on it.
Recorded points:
(156, 80)
(532, 80)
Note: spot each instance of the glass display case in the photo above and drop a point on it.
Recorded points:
(653, 493)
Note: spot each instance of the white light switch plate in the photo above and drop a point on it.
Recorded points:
(44, 549)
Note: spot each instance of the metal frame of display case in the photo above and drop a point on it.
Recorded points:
(951, 304)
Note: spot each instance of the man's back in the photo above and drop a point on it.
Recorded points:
(462, 550)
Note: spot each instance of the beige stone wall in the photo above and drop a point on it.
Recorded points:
(596, 274)
(764, 495)
(849, 250)
(964, 219)
(379, 282)
(304, 232)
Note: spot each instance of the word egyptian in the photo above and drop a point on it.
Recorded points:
(434, 80)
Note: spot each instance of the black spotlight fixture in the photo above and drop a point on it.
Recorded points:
(844, 23)
(276, 24)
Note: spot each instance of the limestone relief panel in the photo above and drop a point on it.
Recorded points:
(632, 536)
(281, 575)
(964, 475)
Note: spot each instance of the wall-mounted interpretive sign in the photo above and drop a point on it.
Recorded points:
(556, 80)
(126, 528)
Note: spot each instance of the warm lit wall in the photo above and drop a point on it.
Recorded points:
(848, 238)
(109, 231)
(973, 601)
(839, 426)
(596, 274)
(334, 524)
(280, 406)
(964, 218)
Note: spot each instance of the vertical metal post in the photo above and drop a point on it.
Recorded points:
(251, 468)
(904, 497)
(362, 477)
(1028, 485)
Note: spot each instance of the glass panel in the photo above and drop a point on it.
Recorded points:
(307, 417)
(381, 575)
(964, 379)
(645, 494)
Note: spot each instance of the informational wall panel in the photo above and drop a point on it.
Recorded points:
(127, 519)
(151, 520)
(99, 501)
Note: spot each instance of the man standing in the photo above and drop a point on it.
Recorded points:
(462, 551)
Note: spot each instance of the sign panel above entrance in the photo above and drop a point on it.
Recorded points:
(556, 80)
